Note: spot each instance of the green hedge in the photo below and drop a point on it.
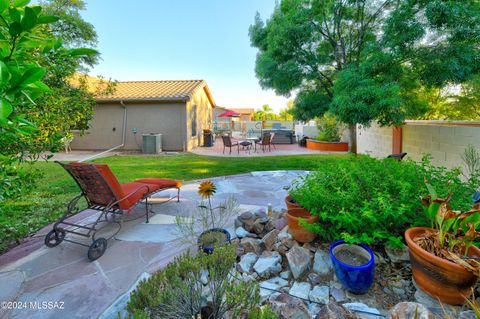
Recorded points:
(374, 201)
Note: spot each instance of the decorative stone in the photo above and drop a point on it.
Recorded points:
(410, 310)
(262, 216)
(204, 276)
(258, 227)
(322, 264)
(314, 309)
(291, 309)
(363, 308)
(469, 314)
(270, 239)
(314, 278)
(338, 294)
(238, 222)
(284, 234)
(300, 290)
(269, 226)
(379, 260)
(246, 262)
(398, 255)
(320, 294)
(298, 260)
(309, 247)
(246, 216)
(279, 223)
(241, 232)
(251, 245)
(285, 274)
(334, 311)
(288, 242)
(268, 265)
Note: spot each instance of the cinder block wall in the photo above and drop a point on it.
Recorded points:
(444, 141)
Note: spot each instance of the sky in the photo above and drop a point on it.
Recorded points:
(183, 40)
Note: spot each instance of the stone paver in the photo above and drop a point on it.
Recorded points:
(32, 272)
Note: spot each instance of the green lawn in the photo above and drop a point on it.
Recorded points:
(26, 215)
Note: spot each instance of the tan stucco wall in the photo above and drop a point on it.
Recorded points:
(204, 118)
(445, 143)
(167, 119)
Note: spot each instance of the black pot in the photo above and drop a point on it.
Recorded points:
(208, 249)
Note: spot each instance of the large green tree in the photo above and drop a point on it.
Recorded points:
(366, 60)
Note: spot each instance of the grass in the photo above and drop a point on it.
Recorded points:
(28, 214)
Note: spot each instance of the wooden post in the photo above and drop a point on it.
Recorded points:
(397, 140)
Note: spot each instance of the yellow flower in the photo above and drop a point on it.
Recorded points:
(207, 189)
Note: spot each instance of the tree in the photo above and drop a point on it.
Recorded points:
(366, 60)
(286, 114)
(265, 113)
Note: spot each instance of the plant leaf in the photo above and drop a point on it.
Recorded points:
(47, 19)
(81, 51)
(5, 109)
(4, 4)
(29, 20)
(15, 29)
(4, 74)
(32, 75)
(20, 3)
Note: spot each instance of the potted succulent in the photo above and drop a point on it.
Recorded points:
(206, 226)
(296, 213)
(354, 265)
(445, 262)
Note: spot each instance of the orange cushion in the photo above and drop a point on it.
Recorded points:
(139, 191)
(161, 182)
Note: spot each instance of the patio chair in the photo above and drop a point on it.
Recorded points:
(106, 196)
(264, 142)
(227, 142)
(272, 135)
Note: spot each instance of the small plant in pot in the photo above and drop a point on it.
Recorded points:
(295, 214)
(354, 265)
(445, 262)
(206, 226)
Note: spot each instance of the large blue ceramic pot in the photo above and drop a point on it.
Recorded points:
(208, 249)
(356, 279)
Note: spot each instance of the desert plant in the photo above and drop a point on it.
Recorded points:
(206, 217)
(177, 292)
(452, 233)
(374, 201)
(329, 128)
(471, 159)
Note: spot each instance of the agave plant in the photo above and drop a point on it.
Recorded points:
(453, 232)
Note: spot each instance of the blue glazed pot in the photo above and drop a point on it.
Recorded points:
(208, 249)
(356, 279)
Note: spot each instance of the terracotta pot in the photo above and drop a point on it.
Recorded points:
(294, 205)
(294, 213)
(439, 277)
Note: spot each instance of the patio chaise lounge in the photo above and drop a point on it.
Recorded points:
(105, 195)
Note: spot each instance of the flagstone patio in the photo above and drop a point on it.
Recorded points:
(32, 273)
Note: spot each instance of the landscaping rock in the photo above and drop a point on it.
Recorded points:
(269, 288)
(285, 274)
(284, 234)
(268, 265)
(406, 310)
(379, 260)
(269, 226)
(362, 310)
(241, 233)
(251, 245)
(334, 311)
(320, 294)
(204, 276)
(338, 294)
(279, 223)
(257, 227)
(314, 309)
(262, 216)
(469, 314)
(298, 260)
(293, 309)
(314, 278)
(237, 223)
(270, 239)
(246, 262)
(322, 264)
(398, 255)
(300, 290)
(246, 216)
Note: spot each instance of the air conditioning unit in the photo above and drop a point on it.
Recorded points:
(151, 143)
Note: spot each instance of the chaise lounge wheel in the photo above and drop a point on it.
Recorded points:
(54, 237)
(97, 248)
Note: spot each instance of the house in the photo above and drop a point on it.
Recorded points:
(246, 114)
(178, 109)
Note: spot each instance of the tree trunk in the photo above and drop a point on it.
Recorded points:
(353, 138)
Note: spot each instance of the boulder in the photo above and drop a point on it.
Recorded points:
(334, 311)
(407, 310)
(300, 290)
(320, 294)
(322, 264)
(268, 265)
(270, 239)
(246, 262)
(298, 260)
(251, 245)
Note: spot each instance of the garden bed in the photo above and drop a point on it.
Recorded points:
(327, 146)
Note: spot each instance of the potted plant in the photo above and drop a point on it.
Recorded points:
(329, 137)
(296, 213)
(206, 226)
(445, 262)
(354, 265)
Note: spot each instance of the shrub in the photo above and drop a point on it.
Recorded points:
(374, 201)
(329, 129)
(176, 290)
